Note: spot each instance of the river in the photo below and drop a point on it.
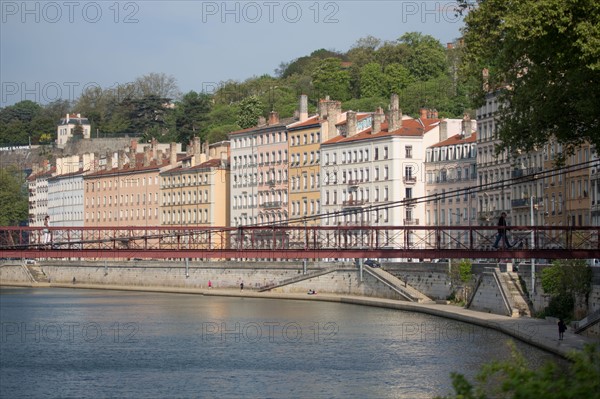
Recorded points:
(59, 343)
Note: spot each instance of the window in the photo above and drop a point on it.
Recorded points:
(408, 151)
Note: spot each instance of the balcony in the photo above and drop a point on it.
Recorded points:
(353, 203)
(411, 222)
(409, 179)
(409, 201)
(271, 205)
(353, 182)
(525, 203)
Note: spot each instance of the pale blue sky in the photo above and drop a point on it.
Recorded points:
(54, 49)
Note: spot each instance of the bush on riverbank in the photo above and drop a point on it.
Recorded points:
(514, 379)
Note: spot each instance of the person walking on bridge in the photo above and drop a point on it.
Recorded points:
(502, 230)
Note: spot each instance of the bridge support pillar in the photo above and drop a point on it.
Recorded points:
(304, 266)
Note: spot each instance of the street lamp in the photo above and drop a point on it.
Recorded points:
(532, 222)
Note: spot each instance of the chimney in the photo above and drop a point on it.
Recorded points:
(147, 156)
(434, 113)
(378, 119)
(350, 123)
(395, 121)
(273, 118)
(443, 130)
(133, 146)
(87, 160)
(154, 144)
(67, 120)
(108, 160)
(79, 115)
(173, 154)
(45, 165)
(466, 127)
(334, 111)
(197, 145)
(132, 157)
(261, 121)
(303, 107)
(323, 107)
(423, 113)
(120, 159)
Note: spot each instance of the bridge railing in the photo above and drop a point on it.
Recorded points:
(296, 238)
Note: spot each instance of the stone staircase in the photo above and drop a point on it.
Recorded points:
(401, 287)
(37, 274)
(518, 301)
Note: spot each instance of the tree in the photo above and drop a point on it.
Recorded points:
(250, 109)
(566, 281)
(514, 379)
(191, 115)
(426, 57)
(13, 197)
(329, 78)
(149, 115)
(397, 77)
(543, 57)
(372, 81)
(157, 85)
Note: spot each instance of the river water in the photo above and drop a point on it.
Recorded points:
(58, 343)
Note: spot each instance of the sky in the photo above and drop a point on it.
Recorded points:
(52, 50)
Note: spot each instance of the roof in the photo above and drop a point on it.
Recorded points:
(457, 139)
(312, 120)
(211, 163)
(359, 117)
(410, 128)
(282, 124)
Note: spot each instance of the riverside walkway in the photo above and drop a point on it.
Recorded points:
(537, 332)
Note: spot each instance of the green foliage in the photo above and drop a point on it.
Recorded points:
(567, 276)
(250, 109)
(426, 56)
(566, 280)
(191, 116)
(329, 78)
(13, 197)
(372, 81)
(514, 379)
(27, 119)
(545, 54)
(465, 270)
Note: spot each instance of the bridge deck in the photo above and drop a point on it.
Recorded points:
(298, 242)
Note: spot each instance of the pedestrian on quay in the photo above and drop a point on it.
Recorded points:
(562, 327)
(209, 284)
(502, 230)
(242, 286)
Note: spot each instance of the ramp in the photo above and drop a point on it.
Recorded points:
(299, 278)
(590, 320)
(36, 273)
(401, 287)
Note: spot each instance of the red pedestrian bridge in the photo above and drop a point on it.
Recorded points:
(298, 242)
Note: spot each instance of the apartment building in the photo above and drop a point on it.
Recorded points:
(451, 174)
(493, 170)
(259, 173)
(196, 191)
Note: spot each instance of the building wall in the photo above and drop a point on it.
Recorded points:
(493, 199)
(122, 198)
(304, 174)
